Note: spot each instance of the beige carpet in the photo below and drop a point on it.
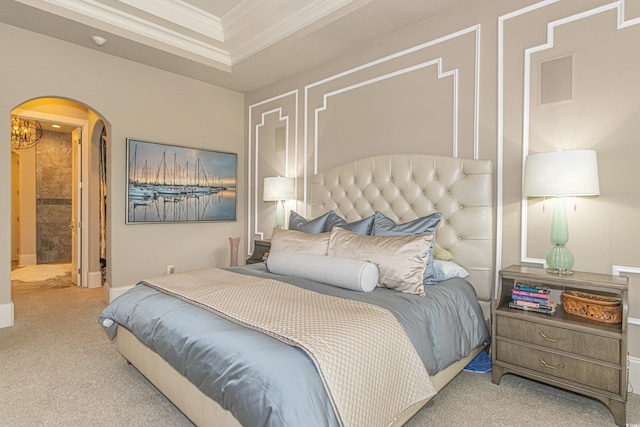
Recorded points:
(57, 368)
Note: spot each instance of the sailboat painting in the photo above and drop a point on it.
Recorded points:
(168, 183)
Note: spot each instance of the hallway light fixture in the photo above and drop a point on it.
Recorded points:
(25, 133)
(560, 174)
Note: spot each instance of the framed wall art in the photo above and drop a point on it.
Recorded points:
(168, 183)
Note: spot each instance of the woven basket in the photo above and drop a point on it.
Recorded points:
(594, 307)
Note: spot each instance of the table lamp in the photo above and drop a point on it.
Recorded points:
(279, 189)
(560, 174)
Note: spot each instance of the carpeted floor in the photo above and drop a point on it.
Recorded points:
(59, 369)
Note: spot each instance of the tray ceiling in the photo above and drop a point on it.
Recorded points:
(242, 45)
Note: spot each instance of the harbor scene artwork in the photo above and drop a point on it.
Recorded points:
(168, 183)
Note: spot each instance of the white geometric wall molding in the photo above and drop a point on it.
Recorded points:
(633, 323)
(622, 22)
(284, 108)
(317, 94)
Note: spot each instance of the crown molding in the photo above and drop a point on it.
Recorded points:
(240, 20)
(108, 18)
(184, 15)
(246, 29)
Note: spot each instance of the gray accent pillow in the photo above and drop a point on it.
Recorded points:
(299, 223)
(345, 273)
(364, 227)
(385, 226)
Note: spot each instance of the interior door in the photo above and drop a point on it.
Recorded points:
(76, 208)
(15, 207)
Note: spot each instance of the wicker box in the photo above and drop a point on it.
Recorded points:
(595, 307)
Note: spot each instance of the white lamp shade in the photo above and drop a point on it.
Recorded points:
(561, 173)
(278, 188)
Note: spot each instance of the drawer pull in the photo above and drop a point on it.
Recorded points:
(546, 365)
(555, 340)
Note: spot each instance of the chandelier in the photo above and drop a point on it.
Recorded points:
(25, 133)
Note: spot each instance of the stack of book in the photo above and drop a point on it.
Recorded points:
(532, 298)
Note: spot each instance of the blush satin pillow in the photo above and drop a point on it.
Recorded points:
(401, 260)
(298, 241)
(385, 226)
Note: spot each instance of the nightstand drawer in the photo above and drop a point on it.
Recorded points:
(591, 374)
(580, 343)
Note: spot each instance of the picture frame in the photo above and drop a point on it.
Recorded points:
(177, 184)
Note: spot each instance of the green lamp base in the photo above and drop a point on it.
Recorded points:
(560, 260)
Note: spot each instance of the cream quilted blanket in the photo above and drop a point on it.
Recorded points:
(369, 367)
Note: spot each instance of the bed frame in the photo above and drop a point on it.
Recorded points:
(403, 187)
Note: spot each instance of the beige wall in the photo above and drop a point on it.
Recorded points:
(457, 85)
(135, 101)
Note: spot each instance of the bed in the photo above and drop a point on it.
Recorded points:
(398, 189)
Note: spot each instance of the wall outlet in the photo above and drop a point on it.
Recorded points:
(170, 269)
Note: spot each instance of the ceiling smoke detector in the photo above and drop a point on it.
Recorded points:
(99, 41)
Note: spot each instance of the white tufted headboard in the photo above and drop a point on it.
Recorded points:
(405, 187)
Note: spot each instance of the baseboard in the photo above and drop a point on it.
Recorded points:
(27, 259)
(6, 315)
(634, 374)
(94, 279)
(111, 293)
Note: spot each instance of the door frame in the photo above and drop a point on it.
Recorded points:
(84, 190)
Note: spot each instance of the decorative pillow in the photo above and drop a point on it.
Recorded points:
(363, 227)
(444, 270)
(401, 260)
(342, 272)
(441, 254)
(300, 223)
(298, 241)
(384, 226)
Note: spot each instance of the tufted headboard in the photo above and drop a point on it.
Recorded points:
(405, 187)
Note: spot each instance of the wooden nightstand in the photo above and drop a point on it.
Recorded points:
(260, 247)
(564, 350)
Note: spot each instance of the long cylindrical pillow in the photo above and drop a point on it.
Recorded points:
(342, 272)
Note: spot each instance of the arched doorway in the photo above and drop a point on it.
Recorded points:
(79, 193)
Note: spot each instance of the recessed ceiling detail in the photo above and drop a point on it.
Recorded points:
(242, 45)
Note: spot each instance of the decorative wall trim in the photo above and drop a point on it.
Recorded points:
(252, 163)
(617, 270)
(500, 129)
(551, 26)
(281, 118)
(473, 29)
(6, 315)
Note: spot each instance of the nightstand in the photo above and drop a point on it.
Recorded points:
(260, 247)
(563, 350)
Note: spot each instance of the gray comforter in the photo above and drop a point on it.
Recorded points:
(264, 382)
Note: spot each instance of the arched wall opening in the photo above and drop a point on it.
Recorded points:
(82, 192)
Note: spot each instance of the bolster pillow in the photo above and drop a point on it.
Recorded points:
(345, 273)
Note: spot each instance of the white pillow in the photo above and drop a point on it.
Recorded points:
(342, 272)
(443, 270)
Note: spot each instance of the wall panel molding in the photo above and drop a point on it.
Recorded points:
(339, 84)
(285, 107)
(622, 22)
